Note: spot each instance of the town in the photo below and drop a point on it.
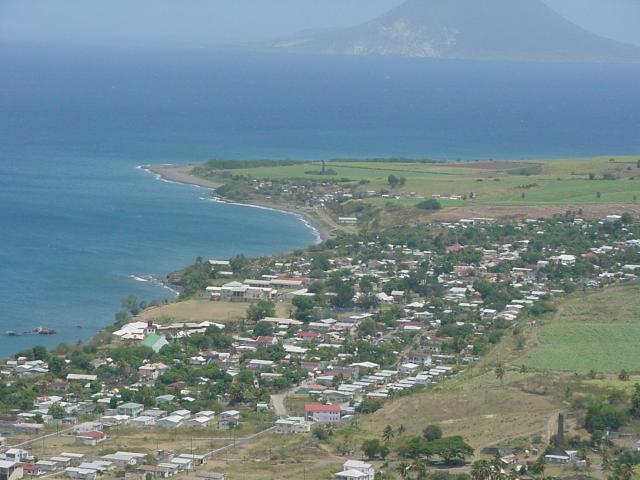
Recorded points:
(368, 319)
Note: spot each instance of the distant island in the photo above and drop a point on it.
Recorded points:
(465, 29)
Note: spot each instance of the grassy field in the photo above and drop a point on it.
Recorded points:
(500, 183)
(596, 331)
(278, 456)
(199, 310)
(479, 409)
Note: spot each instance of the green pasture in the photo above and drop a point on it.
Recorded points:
(597, 331)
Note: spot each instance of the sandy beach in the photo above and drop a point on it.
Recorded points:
(181, 174)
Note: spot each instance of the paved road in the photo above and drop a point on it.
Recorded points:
(278, 403)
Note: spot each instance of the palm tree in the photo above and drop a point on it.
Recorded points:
(419, 466)
(482, 470)
(330, 429)
(401, 429)
(500, 372)
(387, 433)
(403, 469)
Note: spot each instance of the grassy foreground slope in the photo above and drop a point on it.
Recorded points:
(597, 331)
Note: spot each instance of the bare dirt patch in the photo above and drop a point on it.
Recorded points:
(493, 165)
(514, 213)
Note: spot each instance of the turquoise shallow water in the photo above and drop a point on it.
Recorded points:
(77, 219)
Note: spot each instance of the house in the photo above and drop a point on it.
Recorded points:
(168, 398)
(130, 409)
(153, 471)
(62, 462)
(31, 470)
(409, 368)
(240, 292)
(17, 455)
(119, 460)
(351, 475)
(198, 422)
(322, 413)
(292, 425)
(90, 438)
(354, 469)
(257, 364)
(143, 421)
(172, 421)
(76, 458)
(10, 470)
(567, 260)
(151, 371)
(28, 428)
(47, 466)
(155, 342)
(229, 419)
(78, 473)
(182, 463)
(196, 459)
(81, 377)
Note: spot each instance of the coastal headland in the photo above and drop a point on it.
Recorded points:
(345, 194)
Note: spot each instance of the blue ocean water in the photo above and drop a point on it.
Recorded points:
(77, 218)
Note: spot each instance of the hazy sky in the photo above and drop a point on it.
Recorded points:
(210, 22)
(192, 22)
(617, 19)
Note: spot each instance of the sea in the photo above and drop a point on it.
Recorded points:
(82, 226)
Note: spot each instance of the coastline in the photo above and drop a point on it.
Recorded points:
(181, 174)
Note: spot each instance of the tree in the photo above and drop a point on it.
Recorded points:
(635, 401)
(57, 366)
(622, 471)
(258, 311)
(132, 304)
(263, 329)
(429, 204)
(401, 429)
(344, 294)
(604, 416)
(432, 432)
(56, 411)
(623, 375)
(419, 466)
(39, 352)
(403, 469)
(393, 181)
(304, 308)
(450, 449)
(387, 433)
(482, 470)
